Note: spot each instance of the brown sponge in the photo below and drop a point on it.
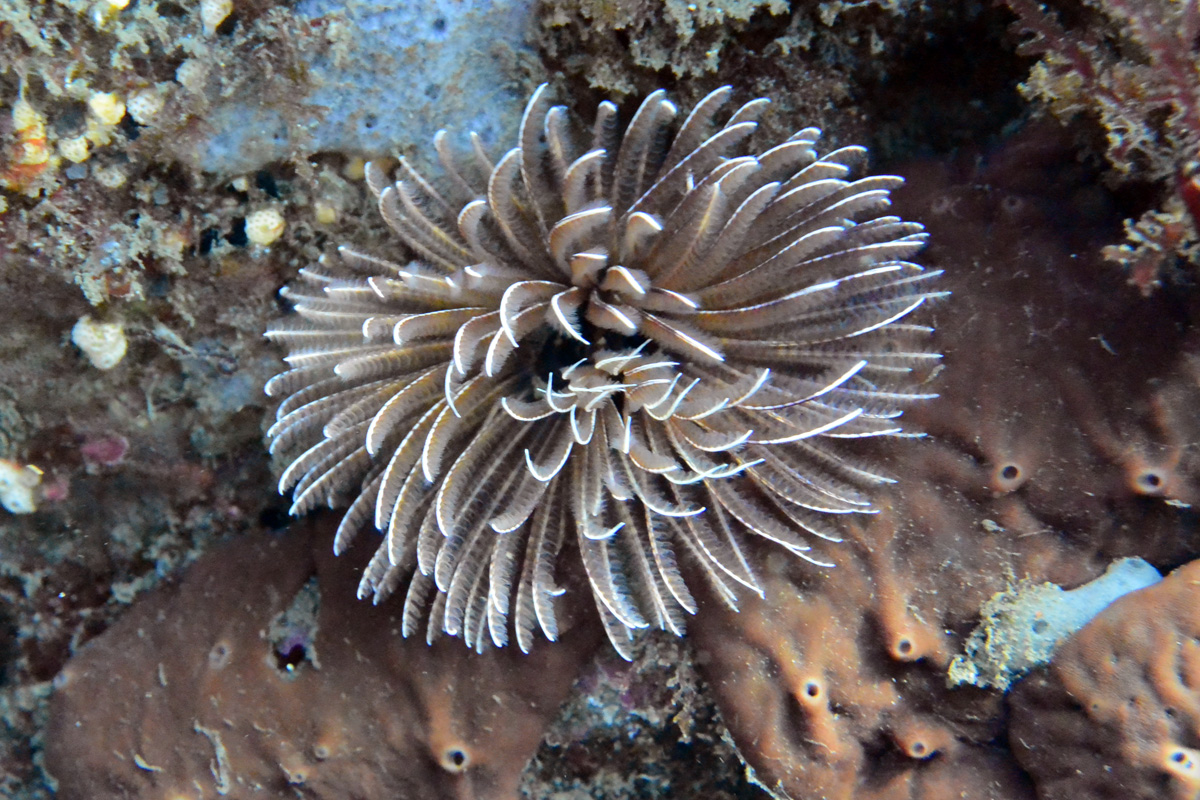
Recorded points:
(1117, 712)
(260, 675)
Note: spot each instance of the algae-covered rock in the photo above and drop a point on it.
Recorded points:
(1021, 627)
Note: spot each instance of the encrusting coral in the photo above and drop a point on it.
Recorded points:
(642, 343)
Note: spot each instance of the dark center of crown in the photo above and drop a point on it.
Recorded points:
(551, 352)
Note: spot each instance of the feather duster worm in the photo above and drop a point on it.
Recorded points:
(636, 340)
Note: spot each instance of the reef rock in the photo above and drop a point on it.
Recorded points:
(252, 677)
(389, 72)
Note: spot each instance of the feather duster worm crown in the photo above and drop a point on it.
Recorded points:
(634, 343)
